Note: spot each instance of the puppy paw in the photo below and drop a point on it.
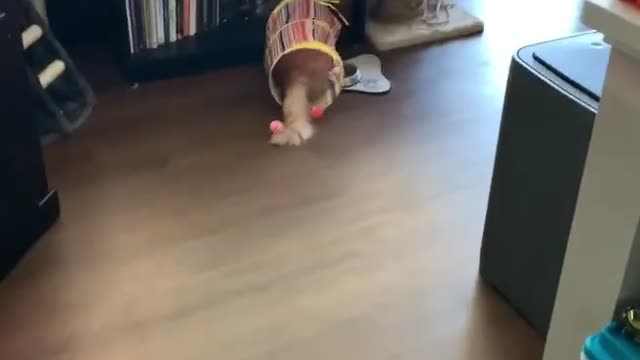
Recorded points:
(294, 134)
(285, 137)
(304, 129)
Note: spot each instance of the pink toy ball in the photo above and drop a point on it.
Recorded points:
(276, 126)
(317, 112)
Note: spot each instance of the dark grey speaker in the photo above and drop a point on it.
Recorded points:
(549, 111)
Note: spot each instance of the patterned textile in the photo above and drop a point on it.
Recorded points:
(305, 24)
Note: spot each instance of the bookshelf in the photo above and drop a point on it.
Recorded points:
(231, 33)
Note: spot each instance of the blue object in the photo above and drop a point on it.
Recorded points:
(609, 344)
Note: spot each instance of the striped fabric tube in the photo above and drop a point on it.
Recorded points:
(305, 24)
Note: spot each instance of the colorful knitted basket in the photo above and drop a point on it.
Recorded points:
(305, 24)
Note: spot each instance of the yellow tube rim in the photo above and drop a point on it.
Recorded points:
(337, 71)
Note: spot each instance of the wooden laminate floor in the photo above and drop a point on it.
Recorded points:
(185, 236)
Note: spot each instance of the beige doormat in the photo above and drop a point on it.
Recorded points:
(387, 36)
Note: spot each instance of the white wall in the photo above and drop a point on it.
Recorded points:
(41, 7)
(605, 225)
(631, 285)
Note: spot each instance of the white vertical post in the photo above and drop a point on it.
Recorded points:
(41, 7)
(606, 218)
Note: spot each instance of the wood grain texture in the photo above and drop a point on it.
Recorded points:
(185, 236)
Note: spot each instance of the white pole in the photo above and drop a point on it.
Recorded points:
(606, 219)
(41, 7)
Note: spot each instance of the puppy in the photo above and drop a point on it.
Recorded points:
(304, 77)
(303, 66)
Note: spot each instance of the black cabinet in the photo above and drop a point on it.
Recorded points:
(27, 206)
(237, 39)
